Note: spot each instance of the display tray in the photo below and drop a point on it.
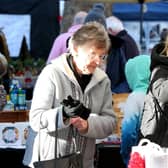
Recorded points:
(14, 116)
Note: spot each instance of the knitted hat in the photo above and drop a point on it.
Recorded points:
(97, 14)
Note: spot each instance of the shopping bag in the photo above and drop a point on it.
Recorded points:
(157, 158)
(137, 157)
(158, 161)
(148, 154)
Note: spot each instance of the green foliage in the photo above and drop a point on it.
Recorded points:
(19, 66)
(26, 62)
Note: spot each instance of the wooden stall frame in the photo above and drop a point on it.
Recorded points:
(117, 100)
(14, 116)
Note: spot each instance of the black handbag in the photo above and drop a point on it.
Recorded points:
(160, 133)
(73, 160)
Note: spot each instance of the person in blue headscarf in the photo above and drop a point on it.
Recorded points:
(137, 71)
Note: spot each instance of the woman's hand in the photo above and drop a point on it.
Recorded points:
(74, 108)
(80, 124)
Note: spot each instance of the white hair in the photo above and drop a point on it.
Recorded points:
(79, 17)
(114, 24)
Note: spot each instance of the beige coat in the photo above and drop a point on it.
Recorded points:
(55, 83)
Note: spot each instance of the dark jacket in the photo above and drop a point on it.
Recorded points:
(123, 48)
(159, 87)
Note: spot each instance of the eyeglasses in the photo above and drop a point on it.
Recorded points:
(93, 57)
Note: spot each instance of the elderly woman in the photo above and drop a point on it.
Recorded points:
(78, 91)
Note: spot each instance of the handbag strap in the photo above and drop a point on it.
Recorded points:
(79, 144)
(70, 140)
(156, 102)
(56, 134)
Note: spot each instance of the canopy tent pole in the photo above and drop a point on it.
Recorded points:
(141, 24)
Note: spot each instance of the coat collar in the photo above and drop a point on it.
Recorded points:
(62, 64)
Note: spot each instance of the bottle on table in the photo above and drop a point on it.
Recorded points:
(13, 92)
(21, 99)
(9, 106)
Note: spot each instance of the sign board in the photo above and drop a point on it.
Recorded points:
(13, 135)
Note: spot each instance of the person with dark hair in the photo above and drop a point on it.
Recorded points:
(163, 35)
(154, 124)
(76, 90)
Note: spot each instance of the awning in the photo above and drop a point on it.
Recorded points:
(155, 11)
